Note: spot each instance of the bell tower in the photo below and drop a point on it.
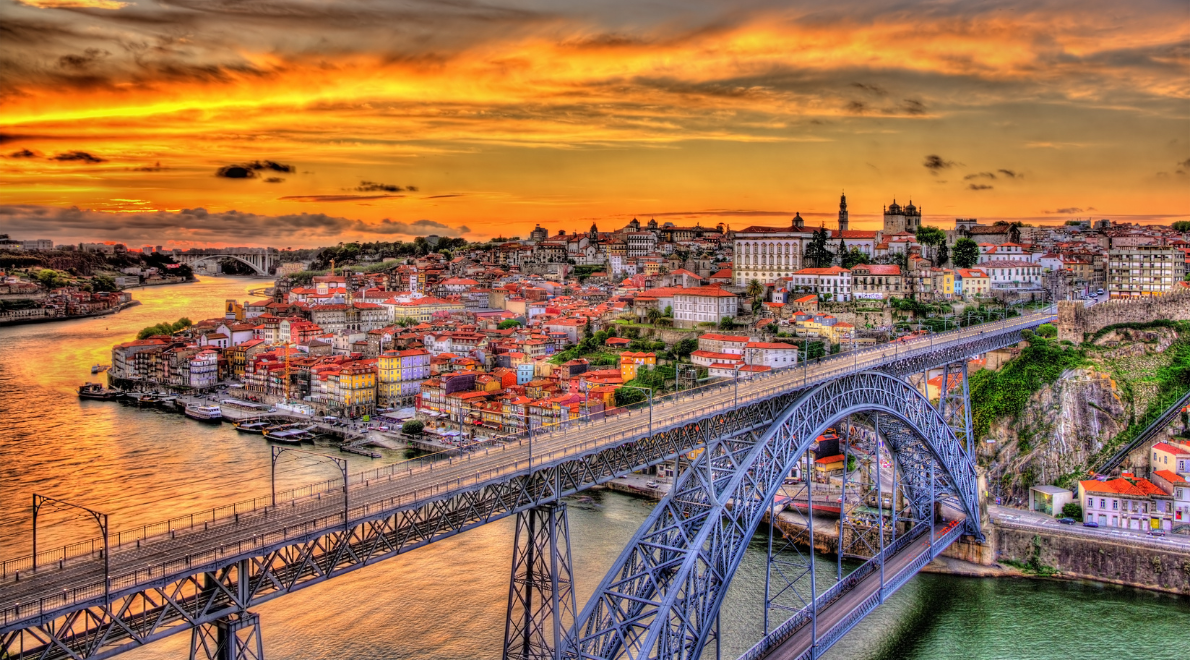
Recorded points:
(843, 212)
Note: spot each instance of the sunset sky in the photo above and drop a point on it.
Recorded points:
(304, 123)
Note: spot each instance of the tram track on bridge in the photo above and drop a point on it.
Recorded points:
(467, 471)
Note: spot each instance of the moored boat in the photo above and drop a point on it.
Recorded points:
(97, 391)
(204, 413)
(289, 436)
(96, 368)
(251, 427)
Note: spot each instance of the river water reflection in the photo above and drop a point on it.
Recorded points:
(447, 600)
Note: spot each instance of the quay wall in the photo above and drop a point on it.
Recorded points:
(1131, 562)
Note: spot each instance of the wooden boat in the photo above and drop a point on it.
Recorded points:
(97, 392)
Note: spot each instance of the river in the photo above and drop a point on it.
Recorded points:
(447, 600)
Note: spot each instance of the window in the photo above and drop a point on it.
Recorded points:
(1115, 505)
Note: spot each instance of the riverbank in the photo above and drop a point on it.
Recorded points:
(7, 322)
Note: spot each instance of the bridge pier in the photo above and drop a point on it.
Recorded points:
(541, 600)
(234, 637)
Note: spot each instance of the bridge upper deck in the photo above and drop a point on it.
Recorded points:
(401, 487)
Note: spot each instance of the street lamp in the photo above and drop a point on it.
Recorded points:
(100, 519)
(650, 391)
(341, 462)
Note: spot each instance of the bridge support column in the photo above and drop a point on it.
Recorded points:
(234, 637)
(541, 600)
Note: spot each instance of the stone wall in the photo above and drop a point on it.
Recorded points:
(1132, 562)
(1076, 319)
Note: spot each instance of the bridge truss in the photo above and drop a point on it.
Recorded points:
(662, 597)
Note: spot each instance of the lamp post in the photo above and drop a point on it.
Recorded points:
(650, 391)
(341, 462)
(100, 519)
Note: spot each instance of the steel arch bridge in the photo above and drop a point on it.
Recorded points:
(661, 597)
(258, 259)
(204, 575)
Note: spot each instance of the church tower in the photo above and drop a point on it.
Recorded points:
(843, 212)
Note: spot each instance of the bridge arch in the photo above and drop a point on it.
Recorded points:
(662, 595)
(214, 257)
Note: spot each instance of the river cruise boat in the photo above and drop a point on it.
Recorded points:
(204, 413)
(96, 368)
(98, 392)
(251, 427)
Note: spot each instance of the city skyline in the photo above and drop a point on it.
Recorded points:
(364, 122)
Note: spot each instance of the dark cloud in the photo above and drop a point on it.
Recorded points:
(373, 186)
(78, 157)
(913, 107)
(979, 175)
(201, 226)
(1012, 174)
(415, 228)
(23, 153)
(445, 196)
(870, 88)
(935, 163)
(81, 62)
(978, 186)
(1185, 163)
(249, 170)
(1070, 210)
(150, 168)
(274, 179)
(856, 107)
(235, 172)
(335, 198)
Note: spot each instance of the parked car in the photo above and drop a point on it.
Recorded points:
(652, 484)
(1156, 532)
(1066, 521)
(1090, 523)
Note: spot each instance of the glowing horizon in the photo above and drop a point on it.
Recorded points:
(355, 120)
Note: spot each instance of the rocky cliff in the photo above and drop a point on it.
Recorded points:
(1062, 425)
(1065, 423)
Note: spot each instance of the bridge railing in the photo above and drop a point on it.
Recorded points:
(782, 633)
(755, 388)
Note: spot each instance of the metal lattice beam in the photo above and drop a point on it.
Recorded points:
(660, 597)
(541, 600)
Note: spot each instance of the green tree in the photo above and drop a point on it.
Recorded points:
(854, 257)
(1181, 225)
(509, 323)
(756, 305)
(626, 396)
(683, 348)
(413, 427)
(1072, 510)
(726, 323)
(103, 283)
(966, 253)
(1047, 330)
(943, 255)
(652, 314)
(842, 251)
(755, 288)
(52, 279)
(669, 311)
(818, 255)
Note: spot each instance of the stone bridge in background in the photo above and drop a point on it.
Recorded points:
(261, 260)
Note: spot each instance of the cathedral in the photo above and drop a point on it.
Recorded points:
(899, 219)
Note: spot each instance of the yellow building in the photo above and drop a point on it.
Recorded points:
(944, 283)
(631, 362)
(423, 310)
(356, 390)
(388, 377)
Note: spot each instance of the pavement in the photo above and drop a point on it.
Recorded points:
(1042, 521)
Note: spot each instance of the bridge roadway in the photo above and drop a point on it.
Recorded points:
(838, 612)
(57, 589)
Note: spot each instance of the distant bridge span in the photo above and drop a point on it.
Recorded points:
(260, 260)
(202, 574)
